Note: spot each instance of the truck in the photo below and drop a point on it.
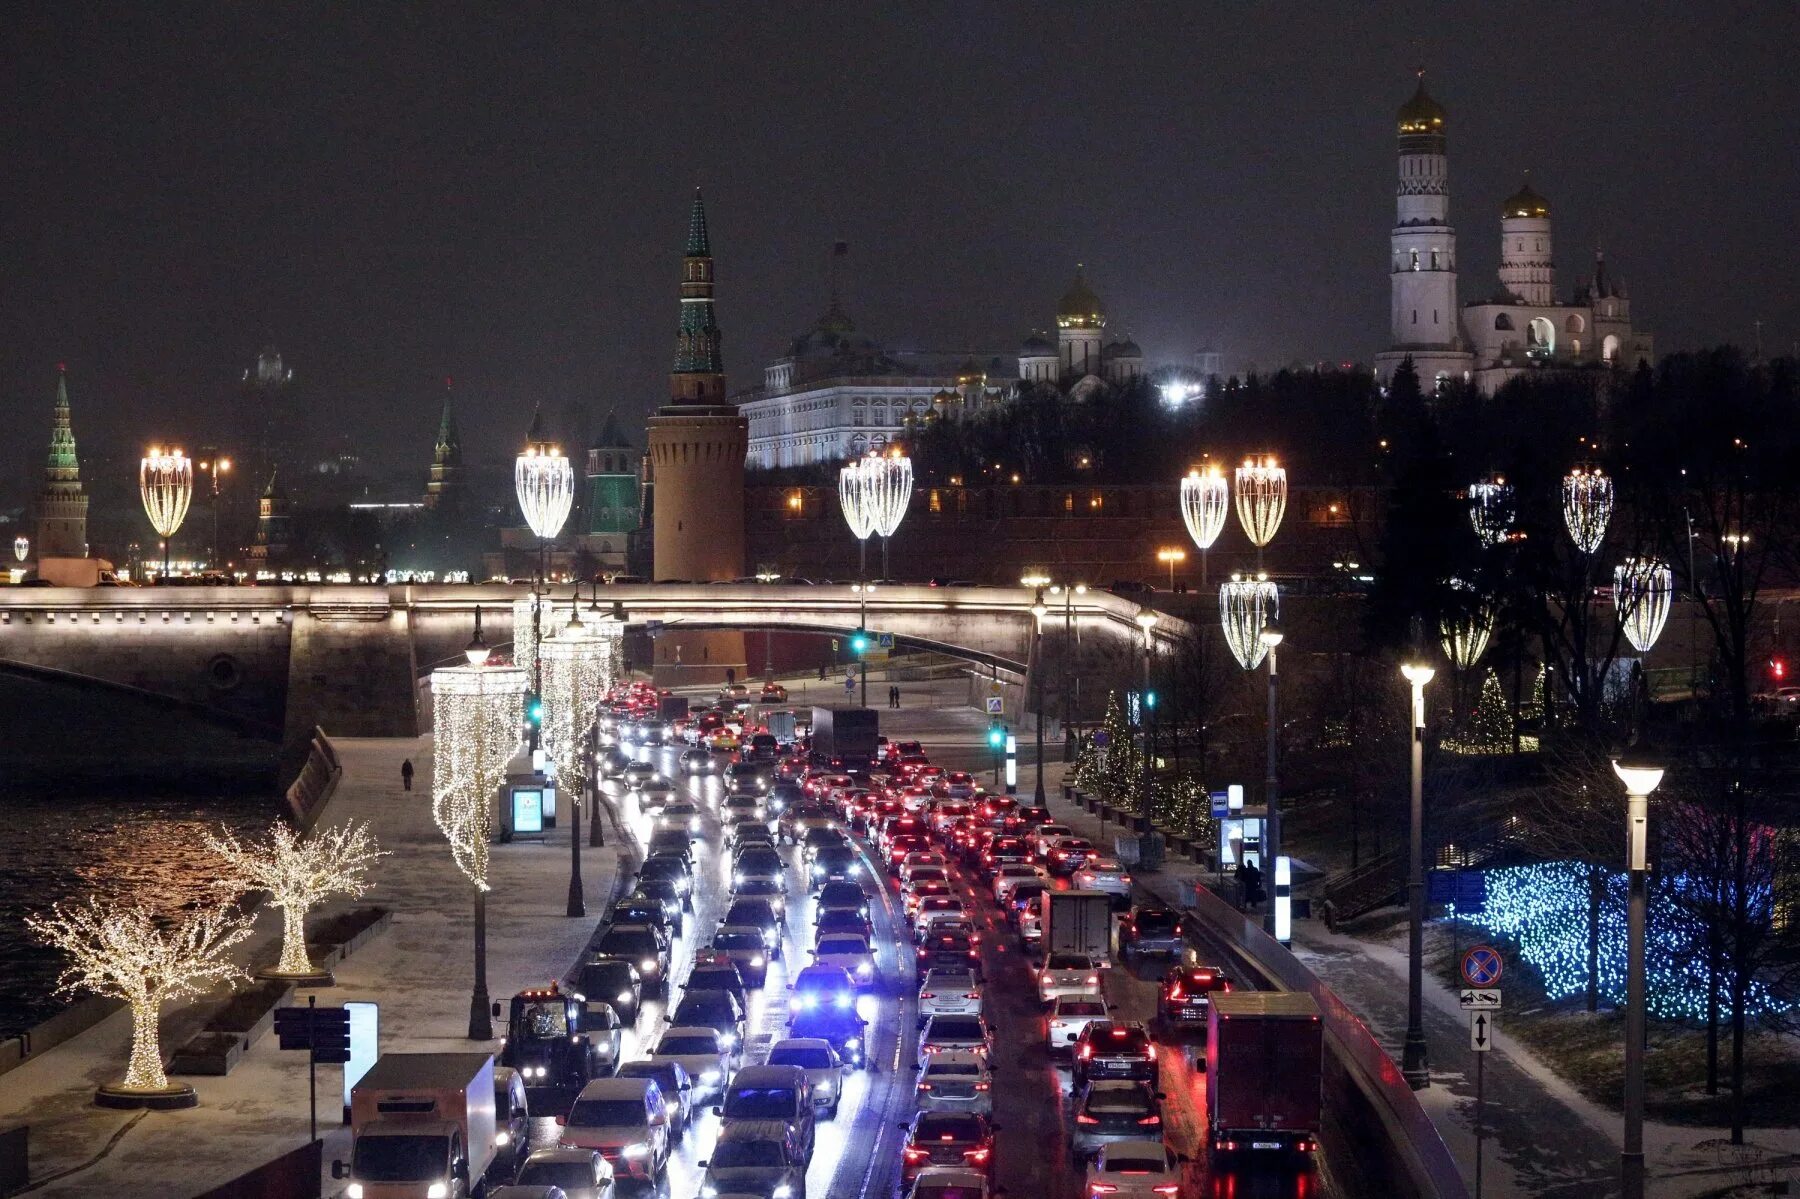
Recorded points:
(782, 725)
(558, 1041)
(422, 1126)
(1265, 1062)
(846, 736)
(672, 707)
(1076, 922)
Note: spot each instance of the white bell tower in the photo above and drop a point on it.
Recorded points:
(1422, 253)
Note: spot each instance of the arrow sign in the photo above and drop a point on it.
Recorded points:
(1482, 1026)
(1479, 999)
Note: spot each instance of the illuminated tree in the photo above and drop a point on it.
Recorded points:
(298, 872)
(1112, 771)
(134, 954)
(1489, 728)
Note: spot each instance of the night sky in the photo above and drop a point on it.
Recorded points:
(395, 195)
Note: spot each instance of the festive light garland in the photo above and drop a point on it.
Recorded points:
(21, 548)
(1643, 590)
(298, 871)
(1491, 509)
(1262, 489)
(476, 714)
(1245, 606)
(1587, 507)
(888, 484)
(166, 485)
(545, 484)
(578, 669)
(855, 499)
(1464, 634)
(132, 953)
(1205, 501)
(525, 629)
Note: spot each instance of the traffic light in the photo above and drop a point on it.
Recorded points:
(859, 642)
(996, 737)
(1778, 669)
(534, 711)
(1150, 700)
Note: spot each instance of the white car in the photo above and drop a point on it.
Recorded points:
(1038, 839)
(939, 907)
(955, 1081)
(959, 924)
(1068, 974)
(1103, 874)
(1067, 1018)
(701, 1053)
(1031, 929)
(1134, 1170)
(922, 858)
(824, 1069)
(949, 993)
(850, 954)
(1012, 874)
(698, 761)
(951, 1182)
(654, 792)
(682, 814)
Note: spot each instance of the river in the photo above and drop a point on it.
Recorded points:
(67, 848)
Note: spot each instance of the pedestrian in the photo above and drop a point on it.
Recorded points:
(821, 672)
(406, 774)
(730, 675)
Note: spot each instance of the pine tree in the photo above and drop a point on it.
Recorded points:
(1488, 729)
(1111, 773)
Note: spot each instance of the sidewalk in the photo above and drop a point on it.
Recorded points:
(420, 971)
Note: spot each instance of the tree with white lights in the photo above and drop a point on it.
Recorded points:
(132, 953)
(298, 872)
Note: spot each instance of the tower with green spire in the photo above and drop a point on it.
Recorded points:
(447, 459)
(612, 508)
(699, 375)
(62, 505)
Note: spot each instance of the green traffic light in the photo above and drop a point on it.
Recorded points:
(996, 737)
(1149, 699)
(859, 642)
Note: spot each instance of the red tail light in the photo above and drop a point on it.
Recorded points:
(1093, 980)
(1167, 1188)
(1107, 1188)
(915, 1156)
(924, 1086)
(929, 995)
(972, 995)
(1151, 1120)
(1084, 1118)
(977, 1156)
(1087, 1051)
(982, 1086)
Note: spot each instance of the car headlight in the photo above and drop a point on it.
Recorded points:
(638, 1150)
(710, 1076)
(864, 969)
(438, 1190)
(624, 997)
(822, 1088)
(756, 963)
(844, 1002)
(502, 1137)
(648, 965)
(784, 1191)
(354, 1191)
(737, 880)
(709, 1191)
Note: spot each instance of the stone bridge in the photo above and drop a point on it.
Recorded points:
(277, 661)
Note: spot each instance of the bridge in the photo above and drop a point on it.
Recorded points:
(278, 661)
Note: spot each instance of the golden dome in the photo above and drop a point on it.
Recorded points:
(1525, 202)
(1080, 307)
(1421, 114)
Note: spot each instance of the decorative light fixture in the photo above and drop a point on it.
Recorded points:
(889, 485)
(1262, 489)
(1464, 633)
(21, 547)
(1643, 590)
(1492, 509)
(1587, 496)
(166, 485)
(1246, 607)
(578, 668)
(298, 871)
(147, 960)
(1205, 499)
(859, 509)
(525, 629)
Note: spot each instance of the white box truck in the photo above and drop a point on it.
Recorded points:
(422, 1126)
(1076, 922)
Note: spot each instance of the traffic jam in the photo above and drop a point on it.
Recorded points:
(843, 968)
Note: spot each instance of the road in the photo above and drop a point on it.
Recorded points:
(857, 1156)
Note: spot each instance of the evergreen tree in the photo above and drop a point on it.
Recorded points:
(1488, 729)
(1112, 773)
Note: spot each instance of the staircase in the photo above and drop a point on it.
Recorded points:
(1351, 893)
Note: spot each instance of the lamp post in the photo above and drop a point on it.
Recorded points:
(578, 660)
(863, 591)
(1037, 669)
(544, 483)
(1640, 779)
(1146, 620)
(214, 464)
(768, 575)
(1270, 639)
(1413, 1057)
(1068, 592)
(1171, 555)
(166, 485)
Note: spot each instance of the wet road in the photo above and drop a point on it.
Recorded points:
(857, 1156)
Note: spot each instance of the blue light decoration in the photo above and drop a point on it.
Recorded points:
(1542, 911)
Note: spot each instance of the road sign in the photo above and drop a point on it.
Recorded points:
(1466, 889)
(849, 683)
(1221, 803)
(1481, 966)
(994, 687)
(996, 706)
(1482, 1027)
(653, 627)
(1102, 738)
(884, 641)
(1479, 999)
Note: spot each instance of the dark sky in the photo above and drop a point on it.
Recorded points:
(393, 195)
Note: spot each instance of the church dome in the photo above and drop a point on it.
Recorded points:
(1525, 203)
(1079, 306)
(1421, 114)
(1122, 349)
(1037, 346)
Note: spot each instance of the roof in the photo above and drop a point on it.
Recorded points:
(765, 1075)
(1122, 349)
(413, 1071)
(1265, 1003)
(699, 245)
(611, 437)
(1080, 302)
(1525, 203)
(1037, 346)
(1421, 114)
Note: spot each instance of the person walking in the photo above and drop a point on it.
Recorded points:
(406, 773)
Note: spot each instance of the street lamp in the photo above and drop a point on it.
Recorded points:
(577, 661)
(1413, 1062)
(1262, 492)
(768, 575)
(1037, 669)
(1146, 620)
(1640, 779)
(166, 485)
(1171, 555)
(862, 592)
(890, 485)
(1270, 639)
(544, 482)
(215, 465)
(1069, 679)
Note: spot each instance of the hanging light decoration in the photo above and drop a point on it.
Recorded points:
(21, 548)
(1262, 489)
(1643, 590)
(1491, 509)
(525, 629)
(545, 484)
(166, 485)
(1245, 607)
(1205, 499)
(888, 482)
(858, 503)
(476, 714)
(577, 669)
(1587, 507)
(1464, 633)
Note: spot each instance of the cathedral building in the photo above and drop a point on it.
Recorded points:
(1522, 325)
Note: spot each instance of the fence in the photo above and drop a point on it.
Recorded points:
(317, 779)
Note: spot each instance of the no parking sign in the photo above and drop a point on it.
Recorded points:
(1481, 966)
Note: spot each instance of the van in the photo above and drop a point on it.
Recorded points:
(771, 1093)
(627, 1120)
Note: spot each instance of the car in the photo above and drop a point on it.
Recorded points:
(716, 1009)
(943, 1033)
(933, 908)
(1134, 1169)
(772, 1092)
(1004, 848)
(944, 816)
(1114, 1049)
(759, 912)
(923, 932)
(654, 793)
(774, 693)
(1112, 1109)
(1013, 874)
(641, 909)
(824, 1069)
(834, 863)
(512, 1119)
(758, 860)
(1185, 997)
(1151, 929)
(580, 1173)
(822, 985)
(1065, 855)
(842, 1028)
(718, 975)
(627, 1120)
(613, 763)
(1067, 1018)
(755, 1157)
(834, 921)
(722, 741)
(842, 895)
(948, 951)
(615, 980)
(1022, 898)
(746, 833)
(697, 761)
(681, 814)
(919, 859)
(747, 945)
(748, 778)
(949, 993)
(951, 1182)
(677, 872)
(640, 945)
(1031, 817)
(921, 888)
(740, 804)
(797, 819)
(672, 843)
(636, 774)
(947, 1139)
(1104, 874)
(852, 955)
(1043, 836)
(1069, 974)
(955, 1081)
(770, 888)
(821, 837)
(1031, 929)
(677, 1087)
(701, 1051)
(895, 848)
